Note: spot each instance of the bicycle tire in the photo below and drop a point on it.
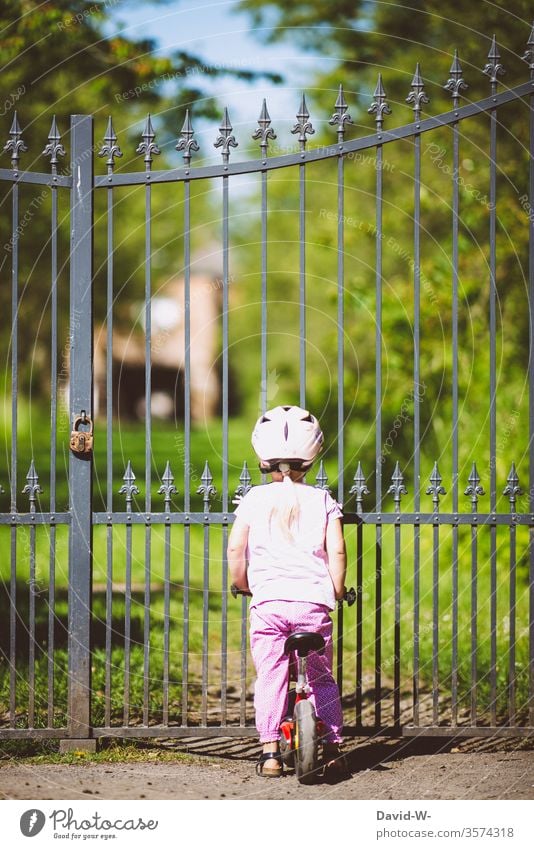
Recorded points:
(306, 742)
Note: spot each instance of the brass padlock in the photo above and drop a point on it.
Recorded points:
(81, 441)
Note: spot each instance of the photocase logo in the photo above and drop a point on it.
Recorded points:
(32, 822)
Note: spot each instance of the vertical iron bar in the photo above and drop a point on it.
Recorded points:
(493, 425)
(31, 634)
(435, 623)
(53, 458)
(14, 434)
(416, 421)
(243, 699)
(455, 223)
(474, 622)
(205, 623)
(109, 456)
(340, 325)
(378, 458)
(148, 451)
(81, 398)
(127, 621)
(531, 404)
(302, 293)
(396, 632)
(512, 642)
(166, 621)
(359, 621)
(226, 282)
(264, 291)
(187, 442)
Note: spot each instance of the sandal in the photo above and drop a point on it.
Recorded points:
(269, 772)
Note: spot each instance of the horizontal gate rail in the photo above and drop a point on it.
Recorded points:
(229, 169)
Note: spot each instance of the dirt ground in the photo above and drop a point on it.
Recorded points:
(224, 769)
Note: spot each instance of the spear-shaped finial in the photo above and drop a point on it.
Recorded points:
(512, 489)
(340, 116)
(455, 84)
(321, 479)
(528, 55)
(417, 94)
(225, 139)
(129, 488)
(474, 489)
(32, 488)
(493, 66)
(206, 488)
(186, 142)
(264, 132)
(15, 143)
(379, 105)
(54, 148)
(110, 147)
(167, 488)
(359, 488)
(397, 488)
(148, 145)
(435, 489)
(303, 125)
(245, 483)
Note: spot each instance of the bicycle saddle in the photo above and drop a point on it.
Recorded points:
(303, 642)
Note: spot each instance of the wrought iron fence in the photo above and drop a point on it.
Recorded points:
(190, 699)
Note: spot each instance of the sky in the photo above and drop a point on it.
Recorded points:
(212, 30)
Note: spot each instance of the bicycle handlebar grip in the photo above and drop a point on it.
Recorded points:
(350, 596)
(235, 591)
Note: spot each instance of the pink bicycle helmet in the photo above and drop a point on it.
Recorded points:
(287, 434)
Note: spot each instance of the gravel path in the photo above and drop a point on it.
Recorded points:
(382, 769)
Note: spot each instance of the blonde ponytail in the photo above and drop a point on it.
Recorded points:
(286, 511)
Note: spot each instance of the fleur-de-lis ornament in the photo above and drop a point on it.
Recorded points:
(359, 488)
(321, 479)
(54, 148)
(417, 94)
(264, 132)
(32, 488)
(187, 143)
(474, 489)
(15, 144)
(245, 484)
(110, 147)
(397, 488)
(167, 488)
(303, 125)
(340, 116)
(435, 489)
(129, 488)
(512, 489)
(455, 84)
(225, 139)
(148, 145)
(528, 55)
(206, 488)
(493, 66)
(379, 106)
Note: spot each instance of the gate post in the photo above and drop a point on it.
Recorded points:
(80, 467)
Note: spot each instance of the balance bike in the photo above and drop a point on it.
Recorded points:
(301, 730)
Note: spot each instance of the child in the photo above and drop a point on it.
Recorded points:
(291, 536)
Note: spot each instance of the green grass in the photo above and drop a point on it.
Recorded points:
(130, 445)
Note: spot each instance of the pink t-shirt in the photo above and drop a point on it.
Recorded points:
(277, 568)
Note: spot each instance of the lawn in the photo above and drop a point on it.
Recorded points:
(204, 611)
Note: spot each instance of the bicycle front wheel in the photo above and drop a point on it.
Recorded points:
(306, 742)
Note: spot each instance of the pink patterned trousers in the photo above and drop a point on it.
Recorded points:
(271, 622)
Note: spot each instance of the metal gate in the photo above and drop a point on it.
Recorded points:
(171, 685)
